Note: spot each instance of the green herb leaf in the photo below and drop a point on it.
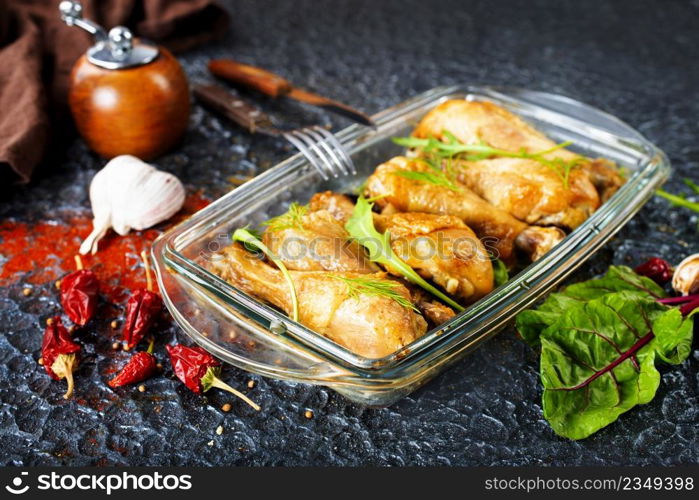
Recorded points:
(255, 234)
(370, 285)
(291, 219)
(452, 148)
(692, 185)
(500, 272)
(532, 322)
(244, 236)
(678, 201)
(360, 226)
(411, 142)
(616, 279)
(598, 359)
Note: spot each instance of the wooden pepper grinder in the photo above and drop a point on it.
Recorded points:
(127, 95)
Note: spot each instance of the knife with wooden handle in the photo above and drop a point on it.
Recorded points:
(235, 108)
(274, 85)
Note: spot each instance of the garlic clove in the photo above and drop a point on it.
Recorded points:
(129, 193)
(101, 211)
(89, 245)
(685, 280)
(127, 178)
(158, 198)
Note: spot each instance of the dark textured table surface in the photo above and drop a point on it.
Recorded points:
(635, 59)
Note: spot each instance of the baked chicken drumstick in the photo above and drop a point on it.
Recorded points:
(532, 191)
(314, 241)
(313, 238)
(335, 305)
(499, 231)
(439, 247)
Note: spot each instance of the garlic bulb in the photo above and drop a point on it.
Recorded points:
(686, 277)
(130, 194)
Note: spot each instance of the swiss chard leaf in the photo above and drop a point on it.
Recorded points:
(598, 359)
(617, 279)
(532, 322)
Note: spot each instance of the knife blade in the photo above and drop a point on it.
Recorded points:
(275, 86)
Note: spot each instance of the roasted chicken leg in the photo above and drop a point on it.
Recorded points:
(530, 191)
(448, 213)
(443, 249)
(498, 230)
(370, 325)
(320, 242)
(439, 247)
(472, 122)
(527, 189)
(317, 241)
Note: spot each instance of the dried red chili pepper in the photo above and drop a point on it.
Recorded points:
(79, 294)
(142, 310)
(200, 371)
(140, 367)
(59, 353)
(656, 269)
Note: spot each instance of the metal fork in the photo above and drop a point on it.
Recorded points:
(322, 150)
(317, 144)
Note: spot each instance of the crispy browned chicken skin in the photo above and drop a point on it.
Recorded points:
(322, 244)
(498, 230)
(443, 249)
(439, 247)
(319, 244)
(472, 122)
(530, 191)
(527, 189)
(369, 325)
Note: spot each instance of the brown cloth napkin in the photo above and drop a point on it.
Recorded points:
(37, 52)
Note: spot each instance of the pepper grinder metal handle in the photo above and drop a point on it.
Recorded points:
(113, 50)
(72, 15)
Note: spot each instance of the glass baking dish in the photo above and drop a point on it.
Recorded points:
(242, 331)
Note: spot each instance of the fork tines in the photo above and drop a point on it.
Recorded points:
(323, 151)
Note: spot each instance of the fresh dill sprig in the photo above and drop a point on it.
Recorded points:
(291, 219)
(373, 286)
(561, 166)
(452, 148)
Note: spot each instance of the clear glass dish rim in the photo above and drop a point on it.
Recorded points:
(487, 314)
